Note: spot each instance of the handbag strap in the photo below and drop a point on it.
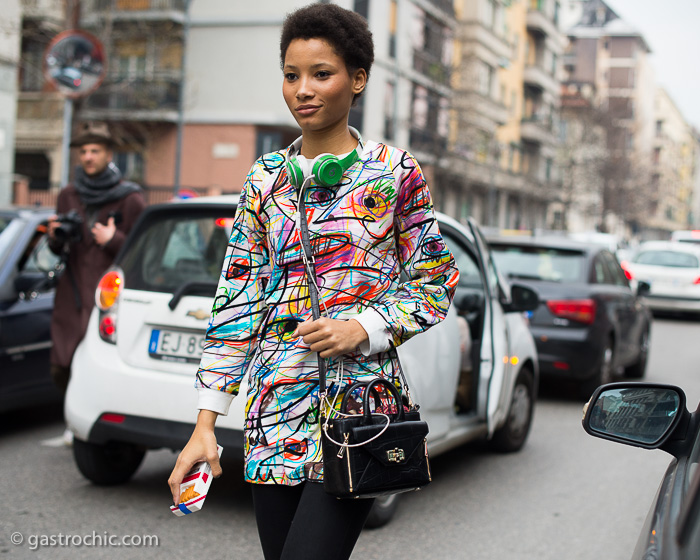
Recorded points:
(310, 267)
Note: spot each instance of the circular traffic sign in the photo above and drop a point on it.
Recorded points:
(74, 63)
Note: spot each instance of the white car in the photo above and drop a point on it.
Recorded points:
(672, 271)
(475, 375)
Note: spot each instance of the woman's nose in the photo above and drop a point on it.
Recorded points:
(304, 90)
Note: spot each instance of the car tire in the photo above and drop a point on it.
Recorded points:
(638, 368)
(107, 465)
(512, 435)
(382, 511)
(604, 373)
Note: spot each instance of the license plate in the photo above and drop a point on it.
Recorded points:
(175, 346)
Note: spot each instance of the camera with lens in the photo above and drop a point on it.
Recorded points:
(70, 229)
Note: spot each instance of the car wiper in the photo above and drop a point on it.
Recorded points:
(201, 288)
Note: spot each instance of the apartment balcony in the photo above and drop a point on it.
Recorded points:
(538, 77)
(537, 130)
(51, 10)
(427, 141)
(39, 119)
(94, 11)
(539, 22)
(475, 37)
(430, 66)
(479, 110)
(140, 99)
(446, 6)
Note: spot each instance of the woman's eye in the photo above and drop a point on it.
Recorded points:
(290, 77)
(323, 74)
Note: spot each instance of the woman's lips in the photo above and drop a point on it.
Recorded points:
(307, 109)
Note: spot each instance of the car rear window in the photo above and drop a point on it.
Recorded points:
(667, 258)
(173, 250)
(539, 263)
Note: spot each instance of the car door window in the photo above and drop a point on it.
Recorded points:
(614, 269)
(469, 274)
(37, 256)
(600, 273)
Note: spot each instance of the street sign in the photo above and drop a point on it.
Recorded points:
(75, 63)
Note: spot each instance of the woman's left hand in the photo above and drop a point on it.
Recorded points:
(331, 337)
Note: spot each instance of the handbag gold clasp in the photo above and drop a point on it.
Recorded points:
(395, 455)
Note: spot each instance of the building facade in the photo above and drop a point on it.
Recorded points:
(610, 58)
(502, 168)
(673, 165)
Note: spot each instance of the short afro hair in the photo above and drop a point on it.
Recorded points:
(346, 31)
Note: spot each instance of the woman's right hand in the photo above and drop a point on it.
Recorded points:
(200, 447)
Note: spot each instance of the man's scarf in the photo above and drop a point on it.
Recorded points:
(107, 186)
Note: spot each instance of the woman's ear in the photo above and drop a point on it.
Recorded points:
(359, 81)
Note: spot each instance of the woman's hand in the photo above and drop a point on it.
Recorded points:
(331, 337)
(201, 447)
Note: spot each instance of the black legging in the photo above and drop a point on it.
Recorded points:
(303, 522)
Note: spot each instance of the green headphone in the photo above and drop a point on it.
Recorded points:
(327, 169)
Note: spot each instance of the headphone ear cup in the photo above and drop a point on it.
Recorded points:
(328, 170)
(294, 172)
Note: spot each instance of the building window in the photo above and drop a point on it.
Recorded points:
(362, 8)
(130, 164)
(392, 29)
(389, 104)
(484, 78)
(659, 127)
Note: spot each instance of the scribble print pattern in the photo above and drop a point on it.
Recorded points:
(378, 220)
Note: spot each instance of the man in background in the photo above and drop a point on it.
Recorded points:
(94, 214)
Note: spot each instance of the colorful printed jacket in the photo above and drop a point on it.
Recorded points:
(377, 221)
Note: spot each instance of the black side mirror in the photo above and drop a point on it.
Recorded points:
(28, 282)
(639, 414)
(643, 288)
(522, 298)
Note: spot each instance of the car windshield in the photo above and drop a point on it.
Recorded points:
(675, 259)
(175, 250)
(539, 263)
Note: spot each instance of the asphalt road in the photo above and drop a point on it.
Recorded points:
(565, 496)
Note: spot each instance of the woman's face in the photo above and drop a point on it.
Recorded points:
(318, 88)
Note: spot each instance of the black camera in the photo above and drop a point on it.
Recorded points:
(70, 229)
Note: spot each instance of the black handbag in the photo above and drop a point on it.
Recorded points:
(370, 454)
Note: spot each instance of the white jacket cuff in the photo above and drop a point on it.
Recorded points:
(216, 401)
(378, 338)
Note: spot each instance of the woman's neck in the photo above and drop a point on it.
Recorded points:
(339, 141)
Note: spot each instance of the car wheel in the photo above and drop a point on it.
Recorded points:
(382, 511)
(604, 375)
(512, 435)
(109, 464)
(638, 368)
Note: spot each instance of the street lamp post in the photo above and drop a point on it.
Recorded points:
(181, 106)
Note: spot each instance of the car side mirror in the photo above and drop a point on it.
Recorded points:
(643, 288)
(28, 282)
(639, 414)
(522, 298)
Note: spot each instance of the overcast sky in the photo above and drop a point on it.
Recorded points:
(671, 28)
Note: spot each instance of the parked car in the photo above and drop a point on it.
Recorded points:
(654, 416)
(26, 303)
(590, 324)
(132, 378)
(672, 270)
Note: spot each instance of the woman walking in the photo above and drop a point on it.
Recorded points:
(370, 217)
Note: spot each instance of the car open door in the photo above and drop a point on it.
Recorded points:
(495, 368)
